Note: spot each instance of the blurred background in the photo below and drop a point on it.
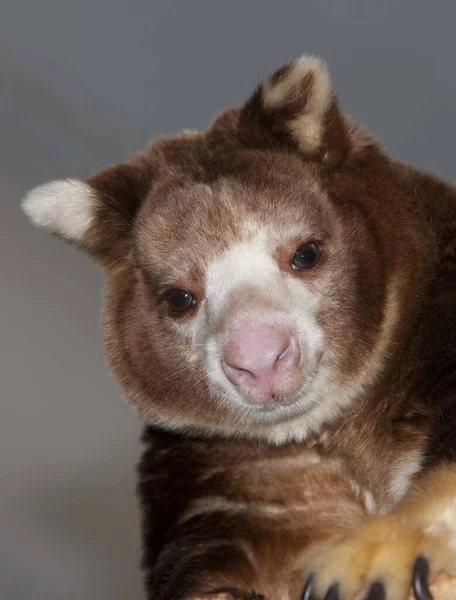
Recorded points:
(83, 84)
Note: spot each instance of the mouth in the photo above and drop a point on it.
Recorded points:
(276, 403)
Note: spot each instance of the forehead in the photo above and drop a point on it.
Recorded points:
(187, 222)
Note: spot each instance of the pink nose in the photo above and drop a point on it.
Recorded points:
(262, 362)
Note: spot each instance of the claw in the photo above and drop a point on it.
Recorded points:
(333, 592)
(420, 579)
(307, 592)
(376, 591)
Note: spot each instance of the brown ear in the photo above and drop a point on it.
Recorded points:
(96, 214)
(296, 108)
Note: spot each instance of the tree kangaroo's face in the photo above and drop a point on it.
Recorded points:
(251, 290)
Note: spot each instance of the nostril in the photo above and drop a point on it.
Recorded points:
(290, 357)
(284, 353)
(236, 374)
(241, 370)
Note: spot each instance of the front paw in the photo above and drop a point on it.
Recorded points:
(384, 560)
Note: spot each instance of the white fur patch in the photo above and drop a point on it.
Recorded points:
(307, 128)
(402, 473)
(63, 207)
(322, 399)
(266, 510)
(369, 502)
(249, 266)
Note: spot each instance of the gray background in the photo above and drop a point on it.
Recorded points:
(83, 83)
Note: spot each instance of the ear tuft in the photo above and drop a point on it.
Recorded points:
(64, 208)
(297, 107)
(304, 86)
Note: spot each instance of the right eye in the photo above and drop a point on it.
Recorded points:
(306, 256)
(179, 301)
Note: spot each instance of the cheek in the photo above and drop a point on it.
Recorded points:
(149, 355)
(303, 306)
(193, 338)
(351, 315)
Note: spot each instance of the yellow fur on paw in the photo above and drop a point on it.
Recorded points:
(382, 552)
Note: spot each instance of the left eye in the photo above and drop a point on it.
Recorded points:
(179, 300)
(306, 256)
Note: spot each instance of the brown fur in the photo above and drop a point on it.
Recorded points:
(223, 509)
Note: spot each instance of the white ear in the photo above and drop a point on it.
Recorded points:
(64, 207)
